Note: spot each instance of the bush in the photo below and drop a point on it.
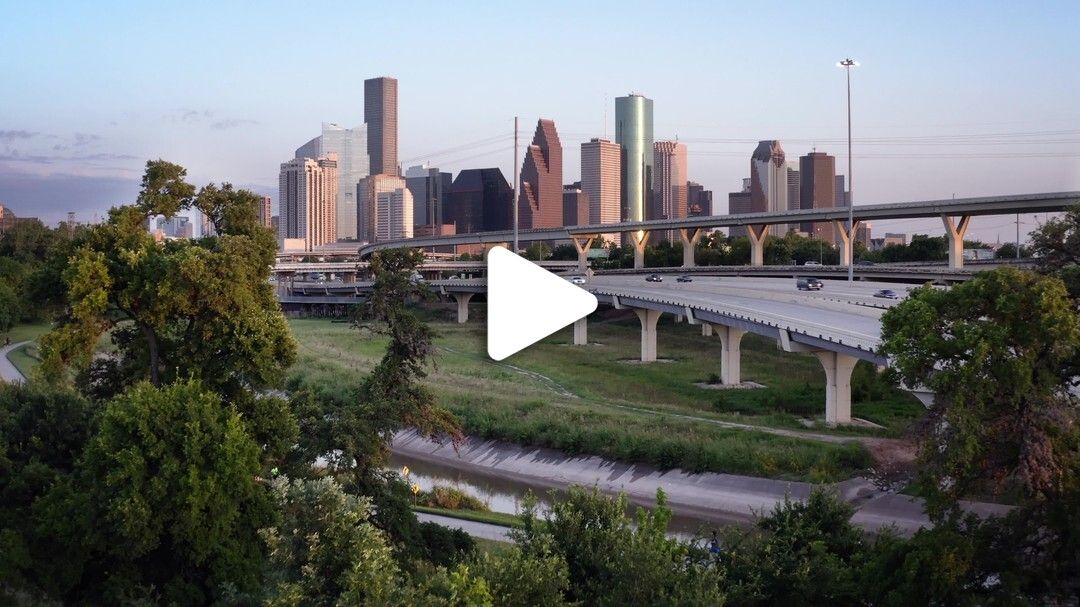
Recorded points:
(445, 546)
(714, 378)
(451, 498)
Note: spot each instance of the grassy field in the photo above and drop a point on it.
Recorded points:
(597, 400)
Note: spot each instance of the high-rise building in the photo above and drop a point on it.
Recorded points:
(367, 195)
(670, 199)
(307, 197)
(768, 182)
(429, 187)
(394, 214)
(864, 233)
(817, 190)
(381, 116)
(739, 203)
(206, 227)
(793, 181)
(634, 132)
(540, 201)
(575, 206)
(177, 226)
(479, 201)
(698, 200)
(601, 180)
(263, 211)
(350, 145)
(840, 193)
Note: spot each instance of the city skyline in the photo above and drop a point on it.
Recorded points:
(54, 160)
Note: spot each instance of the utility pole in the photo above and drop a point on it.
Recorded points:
(1018, 237)
(515, 188)
(847, 64)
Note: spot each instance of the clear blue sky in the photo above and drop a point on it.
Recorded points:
(969, 100)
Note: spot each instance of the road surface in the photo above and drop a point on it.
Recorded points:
(8, 372)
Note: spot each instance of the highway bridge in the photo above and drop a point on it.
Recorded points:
(955, 215)
(839, 324)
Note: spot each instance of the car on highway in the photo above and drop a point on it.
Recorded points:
(812, 264)
(654, 278)
(684, 279)
(863, 262)
(808, 284)
(887, 294)
(577, 280)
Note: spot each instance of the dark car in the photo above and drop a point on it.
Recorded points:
(863, 262)
(654, 278)
(808, 284)
(684, 279)
(887, 294)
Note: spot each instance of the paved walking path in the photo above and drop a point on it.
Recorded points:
(8, 371)
(720, 498)
(485, 531)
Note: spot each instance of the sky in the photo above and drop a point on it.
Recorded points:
(951, 99)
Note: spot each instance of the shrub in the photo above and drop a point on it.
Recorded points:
(451, 498)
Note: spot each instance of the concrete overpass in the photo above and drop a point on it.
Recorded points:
(955, 215)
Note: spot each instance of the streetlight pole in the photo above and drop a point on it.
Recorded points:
(515, 188)
(847, 64)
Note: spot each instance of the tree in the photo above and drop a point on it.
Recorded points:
(27, 241)
(1008, 251)
(10, 307)
(999, 352)
(180, 309)
(170, 479)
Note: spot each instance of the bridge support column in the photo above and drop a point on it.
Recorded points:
(581, 332)
(638, 239)
(690, 238)
(582, 244)
(648, 320)
(706, 329)
(462, 306)
(757, 234)
(847, 240)
(348, 277)
(730, 354)
(838, 368)
(954, 234)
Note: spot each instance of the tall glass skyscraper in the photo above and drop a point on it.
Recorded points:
(634, 132)
(350, 145)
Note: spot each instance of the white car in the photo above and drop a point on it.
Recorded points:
(811, 263)
(577, 280)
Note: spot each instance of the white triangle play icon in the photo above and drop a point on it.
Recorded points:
(526, 303)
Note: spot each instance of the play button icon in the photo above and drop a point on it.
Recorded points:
(526, 303)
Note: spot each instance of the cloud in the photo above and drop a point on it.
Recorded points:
(50, 197)
(12, 135)
(231, 123)
(82, 139)
(189, 115)
(16, 156)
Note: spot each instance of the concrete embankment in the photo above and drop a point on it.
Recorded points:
(718, 498)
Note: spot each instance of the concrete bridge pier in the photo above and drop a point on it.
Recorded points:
(954, 234)
(648, 320)
(582, 244)
(690, 238)
(730, 354)
(638, 239)
(847, 240)
(706, 329)
(757, 234)
(838, 368)
(348, 277)
(581, 331)
(462, 306)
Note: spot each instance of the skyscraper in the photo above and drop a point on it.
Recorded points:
(738, 204)
(840, 193)
(380, 114)
(367, 196)
(540, 201)
(479, 201)
(768, 181)
(698, 200)
(429, 187)
(634, 132)
(601, 180)
(818, 185)
(575, 206)
(307, 197)
(350, 145)
(394, 214)
(793, 184)
(263, 211)
(669, 180)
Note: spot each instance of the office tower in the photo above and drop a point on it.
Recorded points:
(176, 226)
(429, 187)
(634, 132)
(263, 211)
(863, 233)
(840, 194)
(601, 180)
(669, 180)
(768, 182)
(307, 200)
(380, 114)
(793, 180)
(274, 222)
(367, 196)
(817, 190)
(540, 199)
(479, 201)
(698, 200)
(739, 203)
(394, 214)
(350, 145)
(575, 206)
(206, 227)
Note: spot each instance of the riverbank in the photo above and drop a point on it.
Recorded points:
(709, 497)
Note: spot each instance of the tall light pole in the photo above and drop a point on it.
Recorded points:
(515, 188)
(847, 64)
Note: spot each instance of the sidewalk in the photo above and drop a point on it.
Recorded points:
(8, 372)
